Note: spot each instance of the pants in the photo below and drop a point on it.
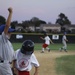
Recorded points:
(5, 69)
(45, 45)
(64, 45)
(23, 73)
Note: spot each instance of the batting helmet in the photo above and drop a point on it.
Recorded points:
(27, 47)
(65, 33)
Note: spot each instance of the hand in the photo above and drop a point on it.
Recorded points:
(10, 9)
(40, 37)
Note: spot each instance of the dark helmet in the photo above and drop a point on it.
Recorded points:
(64, 33)
(45, 34)
(27, 47)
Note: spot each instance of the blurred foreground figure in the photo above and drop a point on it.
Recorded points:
(6, 50)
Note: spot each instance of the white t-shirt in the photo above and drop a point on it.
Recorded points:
(63, 39)
(6, 49)
(25, 62)
(47, 40)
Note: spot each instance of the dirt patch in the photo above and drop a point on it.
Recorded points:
(47, 61)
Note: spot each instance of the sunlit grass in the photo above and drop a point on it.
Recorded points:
(65, 65)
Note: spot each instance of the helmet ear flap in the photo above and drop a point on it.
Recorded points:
(22, 49)
(27, 47)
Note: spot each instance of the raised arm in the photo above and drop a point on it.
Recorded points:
(8, 22)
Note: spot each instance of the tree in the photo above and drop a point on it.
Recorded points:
(2, 20)
(67, 20)
(36, 21)
(63, 20)
(13, 24)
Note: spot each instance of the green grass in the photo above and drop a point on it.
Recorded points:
(16, 45)
(65, 65)
(38, 46)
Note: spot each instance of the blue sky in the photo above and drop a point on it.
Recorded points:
(47, 10)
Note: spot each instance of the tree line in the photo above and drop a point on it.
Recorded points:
(61, 20)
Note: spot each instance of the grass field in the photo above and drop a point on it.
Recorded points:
(65, 65)
(54, 62)
(38, 46)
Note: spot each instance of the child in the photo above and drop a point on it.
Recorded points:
(64, 40)
(46, 43)
(25, 59)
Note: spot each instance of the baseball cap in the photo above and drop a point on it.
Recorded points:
(65, 33)
(2, 29)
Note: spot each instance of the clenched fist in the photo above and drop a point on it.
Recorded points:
(10, 9)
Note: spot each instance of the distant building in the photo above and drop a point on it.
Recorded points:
(53, 28)
(50, 27)
(70, 28)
